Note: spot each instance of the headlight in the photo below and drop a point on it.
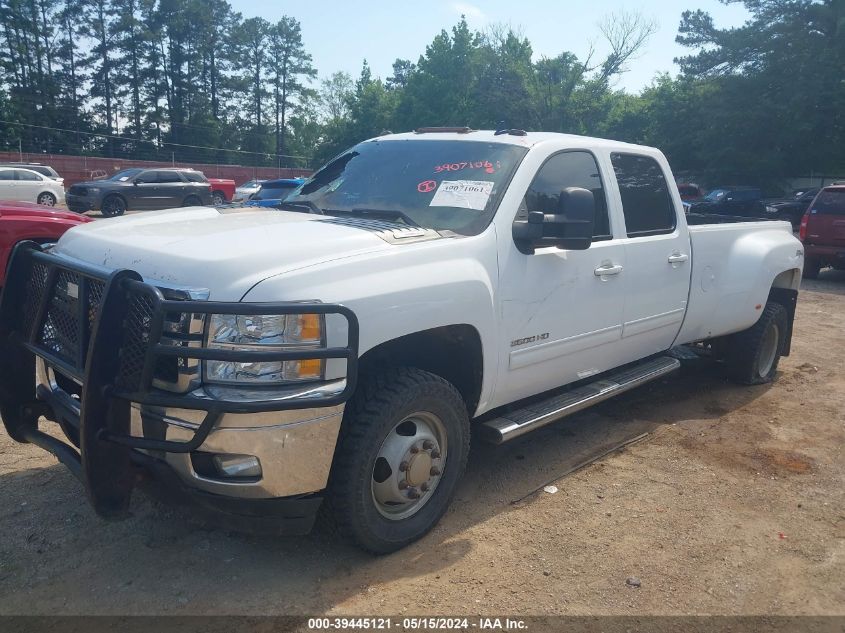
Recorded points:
(771, 209)
(265, 333)
(93, 190)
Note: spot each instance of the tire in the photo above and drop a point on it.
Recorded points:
(405, 419)
(192, 201)
(113, 206)
(753, 354)
(811, 268)
(218, 198)
(47, 199)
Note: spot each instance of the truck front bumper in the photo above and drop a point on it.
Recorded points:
(88, 353)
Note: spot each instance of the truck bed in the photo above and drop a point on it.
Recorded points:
(730, 277)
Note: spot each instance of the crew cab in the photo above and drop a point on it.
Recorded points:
(29, 221)
(340, 347)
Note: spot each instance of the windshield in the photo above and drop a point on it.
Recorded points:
(124, 175)
(438, 184)
(252, 184)
(274, 192)
(716, 194)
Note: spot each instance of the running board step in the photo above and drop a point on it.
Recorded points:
(521, 421)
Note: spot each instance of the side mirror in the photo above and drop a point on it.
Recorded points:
(571, 227)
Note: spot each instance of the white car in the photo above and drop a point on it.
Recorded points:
(246, 190)
(17, 183)
(341, 345)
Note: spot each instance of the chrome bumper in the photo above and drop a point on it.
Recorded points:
(294, 447)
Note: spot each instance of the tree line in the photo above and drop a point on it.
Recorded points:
(195, 80)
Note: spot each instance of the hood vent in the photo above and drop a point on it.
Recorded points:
(390, 232)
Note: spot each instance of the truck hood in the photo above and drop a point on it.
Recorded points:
(224, 251)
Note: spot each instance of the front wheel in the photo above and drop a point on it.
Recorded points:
(402, 451)
(113, 206)
(752, 355)
(47, 199)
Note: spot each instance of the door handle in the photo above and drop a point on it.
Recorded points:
(678, 258)
(607, 269)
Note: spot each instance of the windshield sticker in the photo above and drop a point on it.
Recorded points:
(427, 186)
(465, 194)
(478, 164)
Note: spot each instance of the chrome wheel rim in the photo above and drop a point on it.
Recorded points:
(217, 199)
(769, 349)
(47, 200)
(409, 465)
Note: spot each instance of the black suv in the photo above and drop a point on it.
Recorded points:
(141, 190)
(736, 201)
(791, 209)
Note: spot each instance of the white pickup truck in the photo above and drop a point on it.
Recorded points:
(340, 347)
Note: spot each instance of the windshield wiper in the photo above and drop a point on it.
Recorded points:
(305, 205)
(393, 213)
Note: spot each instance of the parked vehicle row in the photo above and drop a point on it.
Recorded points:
(341, 347)
(136, 189)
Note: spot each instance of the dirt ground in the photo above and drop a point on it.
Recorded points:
(732, 504)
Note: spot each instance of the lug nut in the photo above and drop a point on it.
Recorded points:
(413, 493)
(435, 454)
(424, 487)
(428, 445)
(415, 450)
(403, 466)
(403, 485)
(435, 471)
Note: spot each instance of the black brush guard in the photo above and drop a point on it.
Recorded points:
(108, 333)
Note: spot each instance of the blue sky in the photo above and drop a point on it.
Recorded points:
(340, 35)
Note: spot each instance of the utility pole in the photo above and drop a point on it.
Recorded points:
(20, 150)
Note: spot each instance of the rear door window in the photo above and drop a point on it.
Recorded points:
(830, 202)
(646, 201)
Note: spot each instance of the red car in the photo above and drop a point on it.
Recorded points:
(222, 190)
(20, 221)
(823, 231)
